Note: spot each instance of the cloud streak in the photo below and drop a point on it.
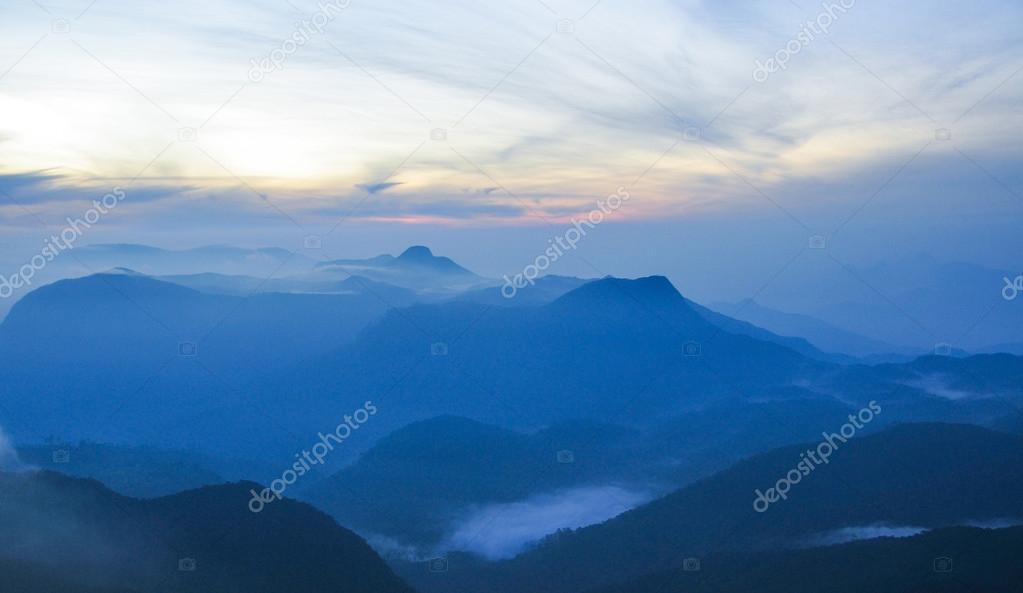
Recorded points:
(503, 530)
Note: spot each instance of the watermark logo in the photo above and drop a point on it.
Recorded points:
(314, 456)
(62, 241)
(813, 458)
(304, 32)
(820, 25)
(942, 564)
(563, 243)
(1012, 287)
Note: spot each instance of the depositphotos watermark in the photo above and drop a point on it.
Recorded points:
(813, 458)
(1012, 288)
(314, 456)
(807, 35)
(62, 241)
(563, 243)
(303, 33)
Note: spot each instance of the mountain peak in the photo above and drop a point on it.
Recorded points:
(416, 253)
(624, 294)
(646, 288)
(420, 257)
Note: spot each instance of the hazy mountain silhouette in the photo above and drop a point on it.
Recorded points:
(927, 301)
(928, 475)
(543, 290)
(416, 268)
(223, 259)
(175, 367)
(819, 333)
(168, 357)
(143, 472)
(608, 348)
(78, 531)
(448, 464)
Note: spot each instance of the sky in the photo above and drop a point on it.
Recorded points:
(483, 129)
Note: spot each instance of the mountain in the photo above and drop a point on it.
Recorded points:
(447, 465)
(167, 361)
(158, 363)
(927, 301)
(797, 344)
(1010, 348)
(910, 301)
(417, 268)
(977, 560)
(609, 347)
(926, 475)
(419, 256)
(204, 540)
(222, 259)
(311, 283)
(981, 385)
(132, 471)
(543, 290)
(25, 577)
(819, 333)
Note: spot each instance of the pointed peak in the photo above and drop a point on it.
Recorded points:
(416, 252)
(420, 257)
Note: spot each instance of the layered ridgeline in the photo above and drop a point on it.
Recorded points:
(608, 348)
(159, 363)
(68, 534)
(144, 472)
(155, 362)
(420, 485)
(414, 484)
(416, 268)
(912, 476)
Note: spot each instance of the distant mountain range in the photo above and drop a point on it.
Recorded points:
(819, 333)
(181, 368)
(143, 472)
(903, 306)
(416, 268)
(519, 430)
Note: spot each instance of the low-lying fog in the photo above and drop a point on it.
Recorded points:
(500, 531)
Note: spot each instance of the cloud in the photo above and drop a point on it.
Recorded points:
(503, 530)
(52, 186)
(375, 188)
(850, 534)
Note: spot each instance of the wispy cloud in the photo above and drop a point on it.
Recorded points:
(566, 115)
(503, 530)
(375, 188)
